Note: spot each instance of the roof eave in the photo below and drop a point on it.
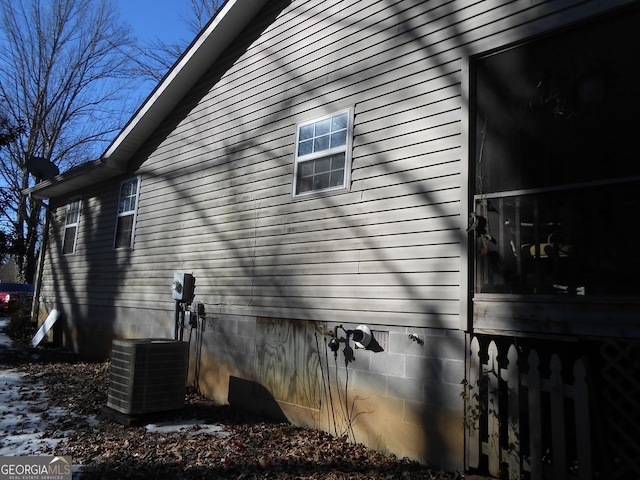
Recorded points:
(74, 179)
(197, 59)
(223, 28)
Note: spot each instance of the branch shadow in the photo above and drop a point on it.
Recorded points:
(261, 224)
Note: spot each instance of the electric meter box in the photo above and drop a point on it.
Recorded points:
(183, 287)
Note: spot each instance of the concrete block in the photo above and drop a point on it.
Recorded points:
(388, 364)
(426, 369)
(454, 371)
(406, 388)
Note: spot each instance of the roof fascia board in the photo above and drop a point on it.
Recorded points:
(73, 179)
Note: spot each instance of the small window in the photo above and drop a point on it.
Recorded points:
(127, 206)
(71, 221)
(323, 154)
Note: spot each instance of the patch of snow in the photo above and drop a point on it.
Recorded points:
(5, 342)
(28, 425)
(190, 427)
(25, 416)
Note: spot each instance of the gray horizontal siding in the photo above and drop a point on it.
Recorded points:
(217, 175)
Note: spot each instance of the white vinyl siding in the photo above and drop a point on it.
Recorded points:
(218, 173)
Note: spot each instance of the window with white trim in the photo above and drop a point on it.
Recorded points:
(323, 154)
(71, 222)
(127, 207)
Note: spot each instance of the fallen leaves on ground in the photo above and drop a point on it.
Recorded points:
(250, 448)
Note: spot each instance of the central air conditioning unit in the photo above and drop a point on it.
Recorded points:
(148, 375)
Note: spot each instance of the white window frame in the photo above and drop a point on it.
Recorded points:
(345, 149)
(70, 222)
(127, 210)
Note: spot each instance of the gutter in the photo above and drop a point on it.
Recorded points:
(74, 179)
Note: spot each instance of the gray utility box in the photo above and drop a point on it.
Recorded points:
(148, 375)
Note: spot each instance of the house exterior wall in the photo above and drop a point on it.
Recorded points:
(276, 273)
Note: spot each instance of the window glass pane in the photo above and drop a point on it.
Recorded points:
(124, 231)
(305, 185)
(321, 181)
(126, 213)
(69, 242)
(305, 148)
(323, 127)
(323, 165)
(306, 132)
(126, 190)
(323, 135)
(338, 139)
(337, 170)
(337, 161)
(128, 193)
(73, 212)
(72, 217)
(321, 143)
(339, 122)
(337, 178)
(322, 173)
(306, 169)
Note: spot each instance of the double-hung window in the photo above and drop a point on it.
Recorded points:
(127, 207)
(323, 154)
(71, 222)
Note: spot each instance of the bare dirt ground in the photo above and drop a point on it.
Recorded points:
(241, 447)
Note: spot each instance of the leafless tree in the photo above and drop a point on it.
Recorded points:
(10, 129)
(202, 11)
(64, 69)
(156, 57)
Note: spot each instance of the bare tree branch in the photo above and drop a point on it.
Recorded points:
(65, 69)
(156, 57)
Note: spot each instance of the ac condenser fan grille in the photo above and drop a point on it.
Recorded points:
(147, 375)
